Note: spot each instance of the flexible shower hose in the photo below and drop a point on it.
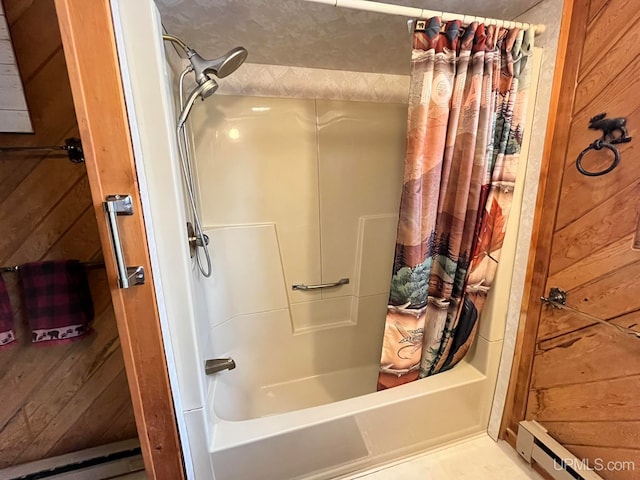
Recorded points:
(185, 166)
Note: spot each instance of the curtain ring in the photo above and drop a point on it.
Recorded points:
(598, 145)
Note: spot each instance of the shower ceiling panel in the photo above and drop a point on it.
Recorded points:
(294, 32)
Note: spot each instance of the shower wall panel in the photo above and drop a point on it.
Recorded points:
(361, 150)
(319, 182)
(256, 163)
(247, 299)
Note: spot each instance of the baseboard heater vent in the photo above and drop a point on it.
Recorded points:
(534, 444)
(108, 461)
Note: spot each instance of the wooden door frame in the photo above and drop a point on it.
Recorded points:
(570, 42)
(94, 73)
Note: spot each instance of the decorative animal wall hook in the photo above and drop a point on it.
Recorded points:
(609, 126)
(614, 131)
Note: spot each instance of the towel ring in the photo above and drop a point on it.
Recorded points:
(598, 145)
(614, 132)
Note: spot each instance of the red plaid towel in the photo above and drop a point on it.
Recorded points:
(6, 317)
(57, 299)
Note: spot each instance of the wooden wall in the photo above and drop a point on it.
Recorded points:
(585, 383)
(580, 378)
(55, 399)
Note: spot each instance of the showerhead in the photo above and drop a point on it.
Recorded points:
(207, 88)
(221, 66)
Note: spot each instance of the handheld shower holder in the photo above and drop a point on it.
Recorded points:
(195, 241)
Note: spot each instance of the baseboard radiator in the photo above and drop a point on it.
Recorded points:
(534, 444)
(108, 461)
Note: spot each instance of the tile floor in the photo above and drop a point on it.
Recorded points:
(479, 458)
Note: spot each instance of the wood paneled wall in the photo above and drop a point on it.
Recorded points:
(585, 384)
(55, 399)
(579, 378)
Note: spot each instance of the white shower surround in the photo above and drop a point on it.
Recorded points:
(461, 397)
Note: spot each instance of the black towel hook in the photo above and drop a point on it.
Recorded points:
(614, 131)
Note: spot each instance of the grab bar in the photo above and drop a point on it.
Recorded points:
(302, 286)
(114, 206)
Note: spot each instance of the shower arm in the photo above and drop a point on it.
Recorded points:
(172, 38)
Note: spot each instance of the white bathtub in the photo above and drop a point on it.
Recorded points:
(338, 438)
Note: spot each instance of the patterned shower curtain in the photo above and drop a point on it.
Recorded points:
(467, 105)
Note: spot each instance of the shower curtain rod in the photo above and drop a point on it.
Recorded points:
(413, 12)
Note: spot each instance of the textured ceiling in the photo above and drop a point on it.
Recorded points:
(295, 32)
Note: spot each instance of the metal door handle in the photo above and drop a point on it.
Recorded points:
(302, 286)
(121, 205)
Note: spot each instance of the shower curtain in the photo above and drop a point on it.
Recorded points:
(467, 105)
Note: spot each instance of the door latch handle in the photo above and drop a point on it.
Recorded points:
(114, 206)
(557, 297)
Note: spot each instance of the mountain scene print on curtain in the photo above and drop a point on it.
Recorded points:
(467, 105)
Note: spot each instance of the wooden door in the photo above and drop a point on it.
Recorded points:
(578, 378)
(90, 51)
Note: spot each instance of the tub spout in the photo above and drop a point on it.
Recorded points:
(216, 365)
